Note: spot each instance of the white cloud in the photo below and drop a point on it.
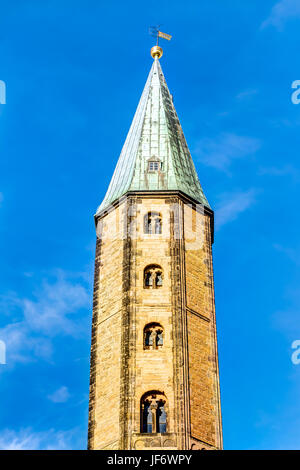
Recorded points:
(222, 150)
(28, 274)
(286, 320)
(61, 395)
(27, 439)
(281, 13)
(284, 420)
(246, 94)
(233, 204)
(287, 170)
(292, 253)
(23, 345)
(51, 311)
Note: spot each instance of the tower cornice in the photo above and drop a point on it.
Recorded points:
(159, 194)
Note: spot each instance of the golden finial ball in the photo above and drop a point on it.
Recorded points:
(156, 51)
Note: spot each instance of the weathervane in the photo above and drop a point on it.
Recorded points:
(154, 31)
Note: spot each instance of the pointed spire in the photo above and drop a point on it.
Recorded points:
(155, 156)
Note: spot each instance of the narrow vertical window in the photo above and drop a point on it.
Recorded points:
(147, 417)
(158, 279)
(148, 279)
(153, 413)
(148, 338)
(158, 225)
(159, 338)
(153, 277)
(152, 223)
(153, 336)
(161, 417)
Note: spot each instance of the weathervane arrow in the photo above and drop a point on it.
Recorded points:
(154, 31)
(157, 51)
(164, 35)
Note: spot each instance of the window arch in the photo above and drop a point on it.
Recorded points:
(153, 336)
(153, 223)
(153, 277)
(154, 412)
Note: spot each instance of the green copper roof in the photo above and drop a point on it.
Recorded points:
(155, 135)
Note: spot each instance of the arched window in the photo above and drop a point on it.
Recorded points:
(153, 277)
(152, 223)
(153, 336)
(153, 413)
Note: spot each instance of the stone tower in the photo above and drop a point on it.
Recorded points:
(154, 380)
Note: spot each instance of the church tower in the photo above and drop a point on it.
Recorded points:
(154, 379)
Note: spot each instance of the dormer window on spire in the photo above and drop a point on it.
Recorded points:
(154, 164)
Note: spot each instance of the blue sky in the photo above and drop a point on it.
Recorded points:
(74, 71)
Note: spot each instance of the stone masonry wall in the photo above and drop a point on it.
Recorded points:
(185, 369)
(203, 367)
(105, 402)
